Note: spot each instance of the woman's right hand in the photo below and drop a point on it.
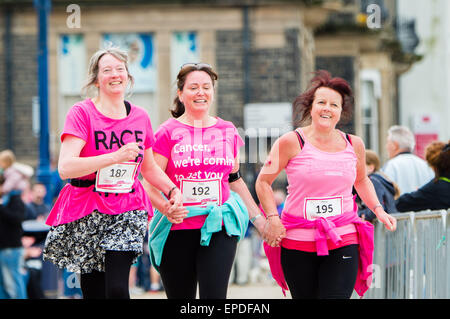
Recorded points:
(127, 152)
(274, 231)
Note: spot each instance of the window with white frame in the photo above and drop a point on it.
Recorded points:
(370, 96)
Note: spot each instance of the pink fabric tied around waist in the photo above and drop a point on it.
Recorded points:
(328, 227)
(325, 227)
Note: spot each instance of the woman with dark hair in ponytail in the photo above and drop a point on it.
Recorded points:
(200, 153)
(181, 81)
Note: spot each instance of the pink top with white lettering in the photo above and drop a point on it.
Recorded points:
(102, 135)
(317, 174)
(198, 154)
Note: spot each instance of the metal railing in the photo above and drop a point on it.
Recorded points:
(412, 262)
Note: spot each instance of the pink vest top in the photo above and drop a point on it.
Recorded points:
(320, 185)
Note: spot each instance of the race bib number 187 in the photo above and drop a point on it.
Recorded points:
(116, 178)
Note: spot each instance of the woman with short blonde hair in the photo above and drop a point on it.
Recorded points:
(100, 218)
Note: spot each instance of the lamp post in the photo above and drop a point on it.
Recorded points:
(43, 173)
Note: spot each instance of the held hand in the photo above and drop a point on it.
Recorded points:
(175, 200)
(274, 231)
(126, 153)
(174, 209)
(177, 215)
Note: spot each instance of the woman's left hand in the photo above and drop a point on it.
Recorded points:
(175, 200)
(390, 222)
(176, 216)
(174, 209)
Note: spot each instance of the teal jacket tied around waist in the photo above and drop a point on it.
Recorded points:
(233, 213)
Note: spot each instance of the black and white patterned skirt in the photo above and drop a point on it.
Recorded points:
(80, 246)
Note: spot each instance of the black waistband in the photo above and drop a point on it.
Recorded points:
(88, 182)
(82, 182)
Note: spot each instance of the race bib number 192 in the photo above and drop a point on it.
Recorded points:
(199, 192)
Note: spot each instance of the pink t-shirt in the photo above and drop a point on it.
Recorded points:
(199, 162)
(102, 135)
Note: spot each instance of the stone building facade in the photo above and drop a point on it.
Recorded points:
(264, 52)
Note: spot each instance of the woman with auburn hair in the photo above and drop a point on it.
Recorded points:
(324, 243)
(436, 193)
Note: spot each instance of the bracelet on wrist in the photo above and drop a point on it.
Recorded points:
(170, 192)
(272, 215)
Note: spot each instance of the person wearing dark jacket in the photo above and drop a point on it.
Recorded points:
(435, 194)
(386, 190)
(12, 213)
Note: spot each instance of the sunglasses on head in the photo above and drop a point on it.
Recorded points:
(446, 147)
(196, 65)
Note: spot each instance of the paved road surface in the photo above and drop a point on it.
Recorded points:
(251, 291)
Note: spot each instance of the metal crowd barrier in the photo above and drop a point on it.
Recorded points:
(414, 261)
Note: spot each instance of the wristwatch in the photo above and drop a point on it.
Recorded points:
(252, 220)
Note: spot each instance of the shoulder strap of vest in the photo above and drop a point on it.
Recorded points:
(348, 138)
(300, 139)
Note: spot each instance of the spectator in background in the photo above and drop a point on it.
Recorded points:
(17, 175)
(33, 239)
(435, 194)
(12, 213)
(37, 208)
(404, 168)
(386, 190)
(33, 267)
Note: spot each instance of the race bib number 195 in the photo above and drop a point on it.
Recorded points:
(316, 207)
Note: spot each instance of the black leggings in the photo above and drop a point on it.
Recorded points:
(113, 282)
(185, 263)
(309, 276)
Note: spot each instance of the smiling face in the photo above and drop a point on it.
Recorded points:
(198, 92)
(112, 77)
(326, 108)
